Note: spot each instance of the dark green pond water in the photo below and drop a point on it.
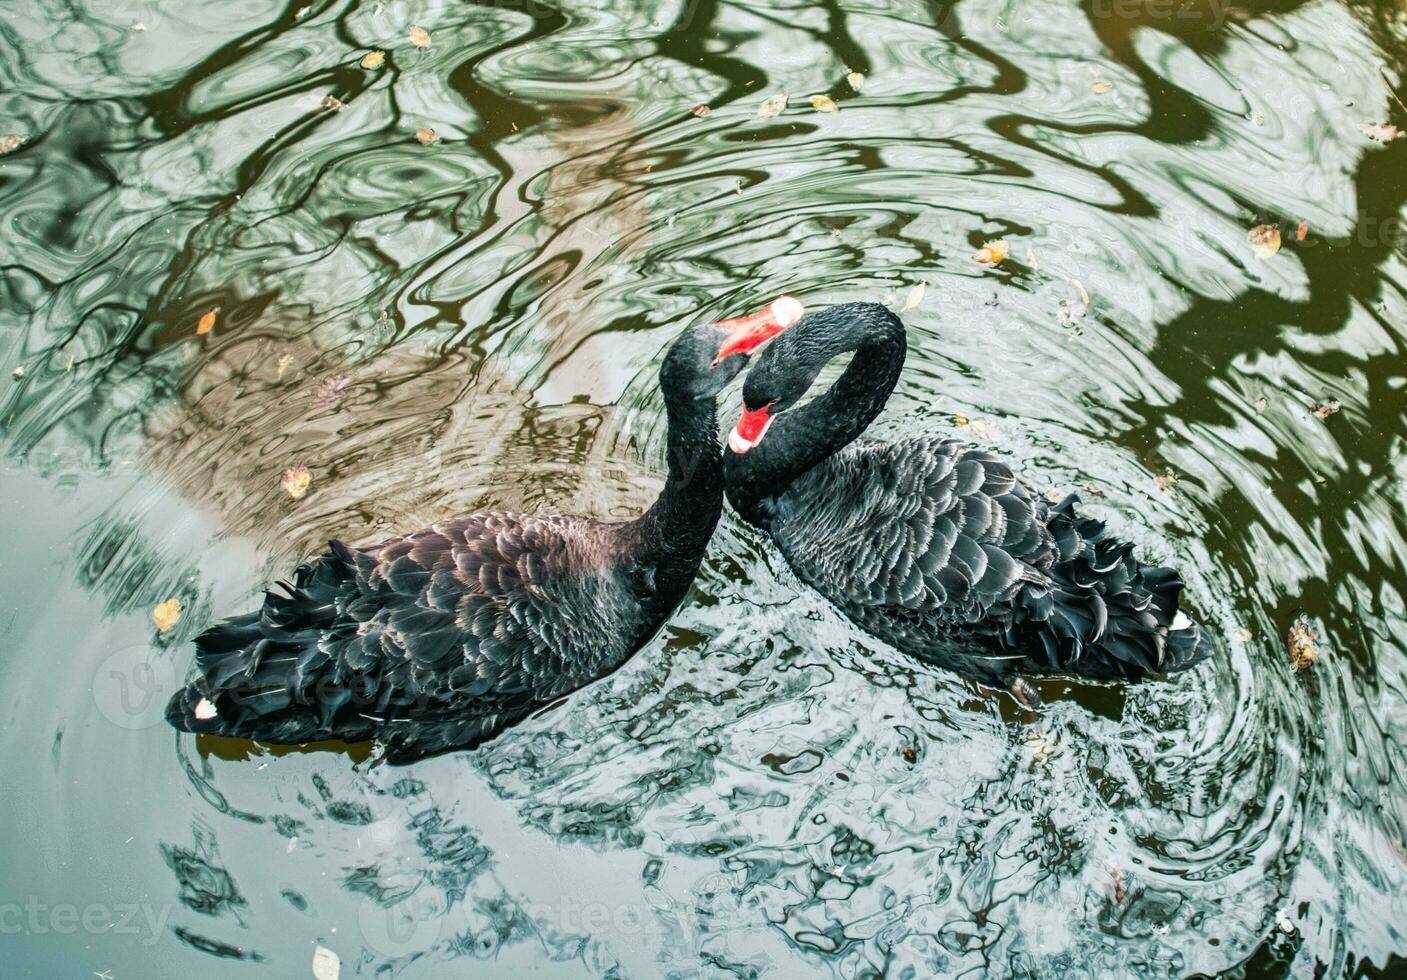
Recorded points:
(763, 790)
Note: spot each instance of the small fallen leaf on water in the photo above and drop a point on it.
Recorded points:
(166, 614)
(1071, 312)
(1166, 481)
(17, 373)
(1261, 404)
(993, 252)
(1243, 635)
(1118, 884)
(8, 144)
(856, 80)
(1301, 640)
(426, 136)
(772, 106)
(700, 110)
(296, 480)
(1258, 120)
(332, 104)
(283, 363)
(1325, 409)
(373, 60)
(960, 421)
(302, 12)
(982, 430)
(207, 322)
(1099, 88)
(326, 965)
(914, 298)
(1301, 231)
(909, 754)
(824, 103)
(419, 37)
(1265, 241)
(1094, 490)
(1382, 132)
(333, 388)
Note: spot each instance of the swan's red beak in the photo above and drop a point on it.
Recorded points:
(750, 429)
(747, 333)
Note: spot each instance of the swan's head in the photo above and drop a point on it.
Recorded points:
(707, 357)
(784, 375)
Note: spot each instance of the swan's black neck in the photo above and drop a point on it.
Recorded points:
(802, 438)
(672, 536)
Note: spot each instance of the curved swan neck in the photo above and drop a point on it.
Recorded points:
(802, 438)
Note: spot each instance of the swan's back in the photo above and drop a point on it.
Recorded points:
(938, 549)
(434, 640)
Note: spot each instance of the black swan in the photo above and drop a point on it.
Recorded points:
(930, 545)
(444, 637)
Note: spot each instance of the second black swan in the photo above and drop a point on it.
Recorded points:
(444, 637)
(930, 545)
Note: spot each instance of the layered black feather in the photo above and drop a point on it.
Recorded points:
(427, 642)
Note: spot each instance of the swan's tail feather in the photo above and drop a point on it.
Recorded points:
(1112, 616)
(263, 675)
(1188, 644)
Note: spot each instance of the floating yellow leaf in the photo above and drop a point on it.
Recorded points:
(1099, 88)
(1382, 132)
(856, 80)
(8, 144)
(960, 421)
(993, 252)
(296, 480)
(283, 363)
(426, 136)
(166, 614)
(1325, 409)
(1244, 635)
(1301, 231)
(1265, 241)
(772, 106)
(332, 104)
(374, 60)
(1301, 641)
(207, 322)
(700, 110)
(824, 103)
(419, 37)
